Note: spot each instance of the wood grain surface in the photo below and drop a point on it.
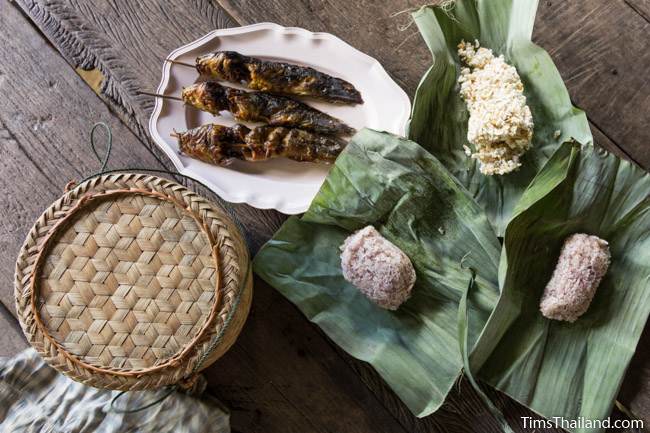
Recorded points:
(46, 117)
(124, 43)
(11, 337)
(642, 7)
(45, 120)
(601, 50)
(283, 375)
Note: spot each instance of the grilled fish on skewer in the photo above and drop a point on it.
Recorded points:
(275, 110)
(277, 77)
(218, 144)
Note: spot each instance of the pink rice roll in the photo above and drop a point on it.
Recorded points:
(378, 268)
(583, 262)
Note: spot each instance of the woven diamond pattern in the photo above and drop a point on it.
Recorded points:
(128, 284)
(131, 281)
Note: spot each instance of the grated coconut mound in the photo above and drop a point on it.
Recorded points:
(500, 123)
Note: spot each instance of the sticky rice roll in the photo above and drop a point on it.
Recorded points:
(583, 262)
(378, 268)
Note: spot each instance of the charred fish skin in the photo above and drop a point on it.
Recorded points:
(296, 144)
(207, 96)
(218, 144)
(275, 110)
(277, 77)
(214, 144)
(281, 111)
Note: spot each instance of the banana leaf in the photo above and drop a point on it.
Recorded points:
(408, 195)
(562, 369)
(439, 118)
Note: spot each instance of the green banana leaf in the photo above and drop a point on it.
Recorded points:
(439, 118)
(408, 195)
(562, 369)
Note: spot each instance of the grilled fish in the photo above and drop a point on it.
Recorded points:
(277, 77)
(275, 110)
(218, 144)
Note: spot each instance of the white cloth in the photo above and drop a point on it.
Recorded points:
(36, 398)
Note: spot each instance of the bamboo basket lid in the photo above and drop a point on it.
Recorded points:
(131, 281)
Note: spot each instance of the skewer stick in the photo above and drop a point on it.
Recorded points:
(158, 95)
(180, 63)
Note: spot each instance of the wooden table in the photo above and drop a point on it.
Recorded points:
(69, 63)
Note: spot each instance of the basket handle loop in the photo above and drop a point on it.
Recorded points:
(109, 145)
(114, 408)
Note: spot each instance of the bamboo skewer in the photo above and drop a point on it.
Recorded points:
(180, 63)
(158, 95)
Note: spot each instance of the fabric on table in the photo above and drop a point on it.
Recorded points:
(36, 398)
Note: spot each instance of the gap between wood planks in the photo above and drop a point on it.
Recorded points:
(137, 131)
(329, 344)
(90, 79)
(642, 9)
(125, 106)
(615, 147)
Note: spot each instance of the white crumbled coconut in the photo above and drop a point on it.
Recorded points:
(500, 123)
(378, 268)
(583, 262)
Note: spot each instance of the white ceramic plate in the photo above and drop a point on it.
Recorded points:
(281, 184)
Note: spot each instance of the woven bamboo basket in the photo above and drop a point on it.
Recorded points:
(131, 281)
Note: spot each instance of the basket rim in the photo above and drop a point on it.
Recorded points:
(222, 236)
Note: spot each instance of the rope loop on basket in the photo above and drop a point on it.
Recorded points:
(114, 408)
(193, 378)
(109, 144)
(104, 169)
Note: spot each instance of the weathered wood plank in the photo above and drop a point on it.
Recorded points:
(124, 44)
(12, 339)
(44, 124)
(285, 358)
(642, 7)
(117, 40)
(602, 50)
(45, 121)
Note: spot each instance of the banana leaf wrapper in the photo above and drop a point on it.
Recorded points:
(439, 118)
(571, 370)
(409, 196)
